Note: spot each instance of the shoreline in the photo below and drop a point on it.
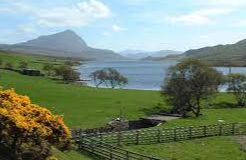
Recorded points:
(136, 89)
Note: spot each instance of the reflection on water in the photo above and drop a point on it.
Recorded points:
(144, 75)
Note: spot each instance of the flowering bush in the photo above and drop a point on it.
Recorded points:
(28, 130)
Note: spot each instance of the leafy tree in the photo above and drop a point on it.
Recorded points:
(109, 76)
(237, 85)
(48, 68)
(1, 62)
(187, 83)
(8, 65)
(67, 73)
(27, 131)
(23, 65)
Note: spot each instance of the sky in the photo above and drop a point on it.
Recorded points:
(127, 24)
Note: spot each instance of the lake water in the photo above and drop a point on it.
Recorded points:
(143, 75)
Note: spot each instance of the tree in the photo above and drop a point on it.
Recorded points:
(48, 68)
(8, 65)
(27, 131)
(187, 83)
(67, 73)
(237, 85)
(23, 65)
(1, 62)
(109, 76)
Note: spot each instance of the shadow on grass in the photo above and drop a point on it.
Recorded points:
(222, 105)
(157, 109)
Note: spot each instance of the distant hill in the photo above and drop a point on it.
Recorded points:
(221, 55)
(63, 44)
(168, 57)
(139, 54)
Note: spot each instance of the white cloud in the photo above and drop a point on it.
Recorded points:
(204, 37)
(77, 15)
(27, 28)
(106, 34)
(5, 10)
(200, 17)
(222, 3)
(94, 8)
(137, 2)
(240, 23)
(117, 28)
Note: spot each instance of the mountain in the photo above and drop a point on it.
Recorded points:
(63, 44)
(221, 55)
(139, 54)
(131, 51)
(167, 57)
(164, 53)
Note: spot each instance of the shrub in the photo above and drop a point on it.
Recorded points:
(48, 68)
(23, 65)
(67, 73)
(237, 85)
(27, 130)
(9, 66)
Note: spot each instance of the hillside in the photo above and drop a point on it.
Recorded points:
(165, 58)
(139, 54)
(221, 55)
(86, 107)
(62, 44)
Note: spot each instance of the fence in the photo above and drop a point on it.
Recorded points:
(104, 145)
(110, 152)
(150, 136)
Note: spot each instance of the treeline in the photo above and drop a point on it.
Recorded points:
(65, 71)
(190, 81)
(11, 66)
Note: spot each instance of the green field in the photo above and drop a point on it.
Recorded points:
(85, 107)
(34, 61)
(214, 148)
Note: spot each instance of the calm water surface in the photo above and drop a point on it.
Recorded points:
(143, 75)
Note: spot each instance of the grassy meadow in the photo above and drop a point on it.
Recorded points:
(86, 107)
(34, 61)
(212, 148)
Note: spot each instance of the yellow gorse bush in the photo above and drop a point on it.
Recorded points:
(19, 116)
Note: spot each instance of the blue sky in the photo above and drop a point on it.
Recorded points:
(128, 24)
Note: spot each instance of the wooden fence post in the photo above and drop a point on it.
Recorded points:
(111, 153)
(92, 147)
(220, 129)
(81, 141)
(233, 129)
(159, 136)
(101, 137)
(137, 137)
(127, 155)
(205, 131)
(175, 134)
(190, 132)
(119, 138)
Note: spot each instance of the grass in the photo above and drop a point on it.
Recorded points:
(85, 107)
(82, 106)
(213, 148)
(69, 155)
(34, 61)
(211, 116)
